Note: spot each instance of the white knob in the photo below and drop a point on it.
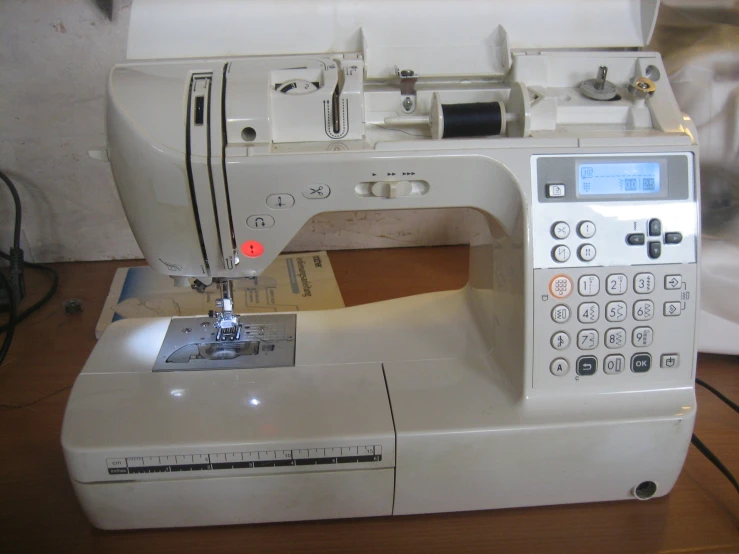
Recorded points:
(392, 189)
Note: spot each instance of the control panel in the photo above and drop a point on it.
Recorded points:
(599, 325)
(622, 225)
(615, 274)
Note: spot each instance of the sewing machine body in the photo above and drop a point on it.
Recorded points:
(563, 372)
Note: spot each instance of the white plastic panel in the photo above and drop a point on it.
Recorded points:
(464, 443)
(469, 37)
(120, 409)
(190, 502)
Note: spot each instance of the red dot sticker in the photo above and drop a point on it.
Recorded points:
(252, 249)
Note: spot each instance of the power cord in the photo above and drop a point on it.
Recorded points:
(728, 401)
(15, 278)
(4, 406)
(707, 451)
(18, 211)
(714, 460)
(14, 284)
(10, 327)
(44, 299)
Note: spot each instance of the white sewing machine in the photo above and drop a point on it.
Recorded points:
(562, 373)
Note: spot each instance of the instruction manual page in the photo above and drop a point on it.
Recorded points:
(293, 282)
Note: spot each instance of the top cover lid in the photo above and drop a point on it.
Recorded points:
(435, 38)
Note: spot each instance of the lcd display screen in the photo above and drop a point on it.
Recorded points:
(618, 178)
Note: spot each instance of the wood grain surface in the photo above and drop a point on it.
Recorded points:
(39, 513)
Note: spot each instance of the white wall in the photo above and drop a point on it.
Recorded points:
(54, 60)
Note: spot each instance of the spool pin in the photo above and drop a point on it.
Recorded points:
(478, 119)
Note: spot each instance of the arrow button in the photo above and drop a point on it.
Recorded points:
(673, 282)
(260, 221)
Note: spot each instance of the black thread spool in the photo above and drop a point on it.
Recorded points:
(479, 119)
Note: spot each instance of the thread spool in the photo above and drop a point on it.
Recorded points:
(478, 119)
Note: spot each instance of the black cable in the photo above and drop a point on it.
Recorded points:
(17, 200)
(35, 306)
(733, 405)
(12, 321)
(4, 406)
(714, 460)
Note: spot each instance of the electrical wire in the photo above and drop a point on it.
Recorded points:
(733, 405)
(12, 321)
(16, 275)
(707, 451)
(4, 406)
(714, 460)
(18, 212)
(36, 305)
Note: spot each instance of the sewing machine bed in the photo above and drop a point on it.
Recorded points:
(347, 439)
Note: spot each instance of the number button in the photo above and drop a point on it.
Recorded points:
(616, 311)
(588, 312)
(642, 336)
(560, 340)
(586, 229)
(586, 252)
(560, 313)
(560, 230)
(643, 283)
(643, 310)
(560, 253)
(587, 339)
(615, 338)
(588, 285)
(560, 286)
(617, 284)
(613, 364)
(559, 367)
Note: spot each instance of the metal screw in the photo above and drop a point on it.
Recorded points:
(73, 306)
(407, 103)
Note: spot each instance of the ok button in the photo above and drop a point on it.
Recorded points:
(260, 221)
(641, 363)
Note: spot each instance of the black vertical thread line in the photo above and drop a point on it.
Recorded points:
(188, 166)
(210, 169)
(395, 437)
(224, 142)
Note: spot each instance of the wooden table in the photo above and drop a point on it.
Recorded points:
(39, 513)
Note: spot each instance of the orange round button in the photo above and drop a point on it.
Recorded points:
(252, 249)
(560, 286)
